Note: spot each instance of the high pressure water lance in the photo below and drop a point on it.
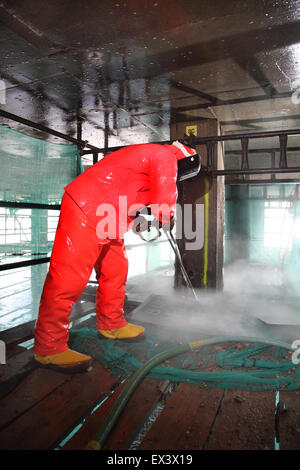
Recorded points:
(187, 168)
(185, 275)
(175, 248)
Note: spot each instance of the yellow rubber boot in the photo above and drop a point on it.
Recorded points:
(66, 361)
(128, 332)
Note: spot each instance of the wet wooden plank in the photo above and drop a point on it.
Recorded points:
(185, 421)
(33, 388)
(19, 333)
(131, 418)
(289, 421)
(13, 349)
(93, 423)
(56, 414)
(246, 421)
(16, 365)
(14, 371)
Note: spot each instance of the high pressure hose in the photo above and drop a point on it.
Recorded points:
(97, 442)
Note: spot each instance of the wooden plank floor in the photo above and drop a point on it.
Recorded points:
(40, 409)
(186, 420)
(245, 422)
(289, 421)
(44, 407)
(139, 405)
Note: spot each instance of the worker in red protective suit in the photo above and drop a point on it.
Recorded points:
(90, 236)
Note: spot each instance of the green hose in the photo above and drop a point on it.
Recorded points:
(97, 442)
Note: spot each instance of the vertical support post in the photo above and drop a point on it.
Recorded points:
(237, 209)
(283, 147)
(273, 161)
(95, 157)
(79, 128)
(106, 130)
(206, 196)
(210, 154)
(39, 236)
(245, 161)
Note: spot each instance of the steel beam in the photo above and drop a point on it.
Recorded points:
(21, 264)
(40, 127)
(255, 171)
(29, 205)
(221, 138)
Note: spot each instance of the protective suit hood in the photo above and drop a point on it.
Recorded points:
(181, 150)
(188, 160)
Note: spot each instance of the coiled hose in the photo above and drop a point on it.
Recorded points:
(99, 438)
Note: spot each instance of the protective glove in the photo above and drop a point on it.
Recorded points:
(169, 226)
(141, 224)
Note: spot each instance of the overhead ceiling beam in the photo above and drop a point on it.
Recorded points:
(212, 100)
(241, 46)
(253, 69)
(247, 99)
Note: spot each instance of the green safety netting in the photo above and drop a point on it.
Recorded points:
(236, 366)
(34, 170)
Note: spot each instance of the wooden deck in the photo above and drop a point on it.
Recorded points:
(41, 409)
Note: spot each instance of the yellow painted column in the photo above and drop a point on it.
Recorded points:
(204, 266)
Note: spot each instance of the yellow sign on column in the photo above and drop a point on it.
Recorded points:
(191, 130)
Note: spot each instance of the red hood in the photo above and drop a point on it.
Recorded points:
(179, 154)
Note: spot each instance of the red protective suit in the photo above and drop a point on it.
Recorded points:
(142, 175)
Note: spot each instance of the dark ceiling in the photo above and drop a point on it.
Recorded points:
(133, 67)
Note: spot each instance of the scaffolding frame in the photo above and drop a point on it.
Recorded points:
(210, 142)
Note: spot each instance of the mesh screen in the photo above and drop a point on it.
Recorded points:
(27, 231)
(33, 170)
